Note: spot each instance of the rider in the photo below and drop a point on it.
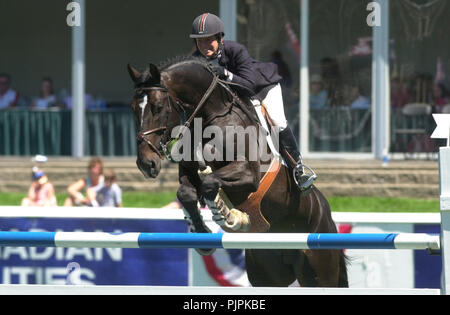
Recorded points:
(231, 61)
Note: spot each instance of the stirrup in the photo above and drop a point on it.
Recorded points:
(306, 180)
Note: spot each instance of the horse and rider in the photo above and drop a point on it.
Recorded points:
(243, 195)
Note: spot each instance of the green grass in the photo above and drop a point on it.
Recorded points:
(147, 200)
(129, 199)
(378, 204)
(342, 204)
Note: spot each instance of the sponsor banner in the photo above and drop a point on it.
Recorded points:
(100, 266)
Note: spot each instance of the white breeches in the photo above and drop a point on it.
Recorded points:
(273, 103)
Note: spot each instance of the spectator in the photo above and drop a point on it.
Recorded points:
(47, 97)
(399, 93)
(8, 97)
(89, 102)
(358, 101)
(440, 96)
(41, 192)
(318, 96)
(332, 81)
(108, 195)
(95, 179)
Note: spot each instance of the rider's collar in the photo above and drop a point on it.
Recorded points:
(217, 56)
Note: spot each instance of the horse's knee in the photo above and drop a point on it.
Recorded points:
(186, 194)
(210, 187)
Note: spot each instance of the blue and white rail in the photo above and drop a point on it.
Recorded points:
(227, 240)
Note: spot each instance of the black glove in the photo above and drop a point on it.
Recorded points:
(218, 70)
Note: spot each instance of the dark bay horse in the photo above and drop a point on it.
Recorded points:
(183, 89)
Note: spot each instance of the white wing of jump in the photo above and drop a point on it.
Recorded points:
(442, 130)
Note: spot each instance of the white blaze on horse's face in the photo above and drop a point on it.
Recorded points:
(142, 106)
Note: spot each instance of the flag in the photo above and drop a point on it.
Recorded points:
(293, 40)
(227, 266)
(362, 48)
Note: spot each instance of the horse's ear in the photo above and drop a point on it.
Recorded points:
(134, 74)
(154, 72)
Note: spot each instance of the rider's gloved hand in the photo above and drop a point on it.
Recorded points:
(220, 71)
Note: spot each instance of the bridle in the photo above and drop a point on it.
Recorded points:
(142, 135)
(165, 147)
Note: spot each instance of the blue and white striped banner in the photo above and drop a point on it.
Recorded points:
(227, 240)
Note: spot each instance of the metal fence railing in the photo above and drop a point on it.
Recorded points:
(29, 132)
(112, 132)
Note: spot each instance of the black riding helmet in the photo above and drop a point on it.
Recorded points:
(207, 25)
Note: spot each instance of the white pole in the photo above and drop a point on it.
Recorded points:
(380, 83)
(444, 182)
(78, 83)
(304, 79)
(228, 14)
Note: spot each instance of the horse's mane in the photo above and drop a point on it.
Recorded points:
(145, 76)
(182, 59)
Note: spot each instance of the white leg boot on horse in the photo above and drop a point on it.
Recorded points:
(224, 213)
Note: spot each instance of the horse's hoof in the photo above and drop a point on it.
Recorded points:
(205, 251)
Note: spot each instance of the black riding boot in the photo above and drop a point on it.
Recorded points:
(289, 151)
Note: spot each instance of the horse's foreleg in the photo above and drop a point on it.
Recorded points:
(187, 194)
(235, 176)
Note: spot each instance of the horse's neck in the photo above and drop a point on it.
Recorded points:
(189, 87)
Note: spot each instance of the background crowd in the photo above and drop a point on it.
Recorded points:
(97, 189)
(45, 97)
(327, 89)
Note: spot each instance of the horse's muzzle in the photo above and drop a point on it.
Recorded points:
(149, 168)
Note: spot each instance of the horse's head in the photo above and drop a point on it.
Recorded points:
(151, 105)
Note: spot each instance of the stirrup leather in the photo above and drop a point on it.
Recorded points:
(303, 180)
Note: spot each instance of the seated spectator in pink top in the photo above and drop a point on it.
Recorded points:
(41, 192)
(8, 97)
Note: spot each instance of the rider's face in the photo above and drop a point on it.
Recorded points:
(208, 46)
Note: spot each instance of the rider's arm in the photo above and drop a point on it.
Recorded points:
(240, 68)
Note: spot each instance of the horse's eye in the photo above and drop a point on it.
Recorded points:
(156, 108)
(140, 95)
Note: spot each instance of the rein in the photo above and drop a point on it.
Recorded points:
(203, 100)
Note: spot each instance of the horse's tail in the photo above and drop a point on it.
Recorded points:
(343, 278)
